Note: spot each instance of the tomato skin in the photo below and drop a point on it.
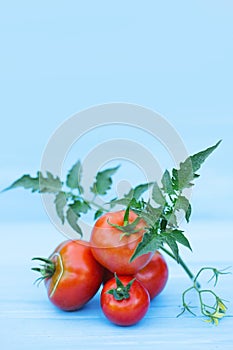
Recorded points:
(112, 250)
(153, 276)
(77, 277)
(129, 311)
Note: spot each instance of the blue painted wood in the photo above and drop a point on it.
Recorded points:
(29, 321)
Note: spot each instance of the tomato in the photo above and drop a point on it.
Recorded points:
(72, 276)
(113, 242)
(153, 276)
(124, 300)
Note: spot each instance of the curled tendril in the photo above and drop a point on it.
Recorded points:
(213, 313)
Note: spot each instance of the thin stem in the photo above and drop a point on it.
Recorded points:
(182, 263)
(97, 206)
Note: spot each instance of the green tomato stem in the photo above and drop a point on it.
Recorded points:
(184, 266)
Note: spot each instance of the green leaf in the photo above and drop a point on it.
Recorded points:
(103, 181)
(73, 178)
(171, 242)
(49, 184)
(150, 242)
(167, 183)
(171, 219)
(40, 183)
(180, 238)
(72, 219)
(80, 206)
(157, 195)
(199, 158)
(60, 203)
(182, 203)
(186, 173)
(188, 213)
(140, 189)
(27, 182)
(98, 213)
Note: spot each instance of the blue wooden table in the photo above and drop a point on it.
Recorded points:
(29, 321)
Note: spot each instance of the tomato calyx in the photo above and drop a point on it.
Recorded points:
(47, 269)
(121, 292)
(127, 228)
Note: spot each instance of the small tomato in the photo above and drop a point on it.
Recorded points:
(124, 300)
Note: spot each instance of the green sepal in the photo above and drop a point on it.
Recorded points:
(121, 292)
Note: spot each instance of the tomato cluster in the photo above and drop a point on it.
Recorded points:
(76, 269)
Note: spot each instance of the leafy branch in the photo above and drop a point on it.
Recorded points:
(161, 213)
(69, 200)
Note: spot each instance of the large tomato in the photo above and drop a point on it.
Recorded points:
(113, 242)
(124, 300)
(153, 276)
(72, 276)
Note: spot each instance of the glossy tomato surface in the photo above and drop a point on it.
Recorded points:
(128, 311)
(153, 276)
(114, 251)
(77, 276)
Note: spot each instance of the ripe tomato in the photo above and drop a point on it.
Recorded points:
(154, 275)
(72, 276)
(124, 300)
(113, 247)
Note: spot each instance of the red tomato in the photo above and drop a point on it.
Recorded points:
(113, 248)
(153, 276)
(124, 300)
(72, 275)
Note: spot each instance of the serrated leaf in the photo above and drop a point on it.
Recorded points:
(149, 243)
(103, 181)
(171, 242)
(171, 219)
(157, 195)
(80, 207)
(134, 193)
(140, 189)
(49, 184)
(73, 178)
(98, 213)
(167, 183)
(187, 172)
(27, 182)
(60, 203)
(180, 238)
(72, 219)
(182, 203)
(199, 158)
(40, 183)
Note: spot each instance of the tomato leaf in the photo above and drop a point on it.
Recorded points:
(167, 183)
(73, 178)
(80, 206)
(103, 181)
(60, 203)
(157, 195)
(72, 219)
(183, 203)
(98, 213)
(40, 183)
(150, 242)
(180, 237)
(183, 176)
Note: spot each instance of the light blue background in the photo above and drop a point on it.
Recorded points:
(59, 57)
